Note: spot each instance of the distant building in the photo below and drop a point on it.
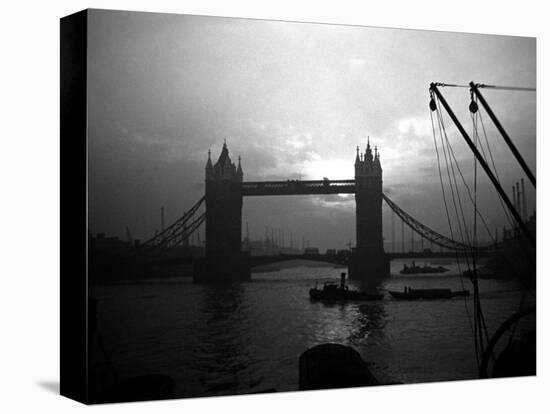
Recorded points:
(107, 245)
(311, 251)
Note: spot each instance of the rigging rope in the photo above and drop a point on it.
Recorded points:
(468, 316)
(480, 319)
(443, 133)
(506, 212)
(506, 88)
(476, 210)
(510, 220)
(477, 303)
(481, 335)
(480, 328)
(476, 116)
(482, 85)
(450, 225)
(478, 338)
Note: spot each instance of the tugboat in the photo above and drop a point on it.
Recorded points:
(333, 292)
(412, 294)
(414, 269)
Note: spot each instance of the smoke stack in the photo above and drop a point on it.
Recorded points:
(518, 199)
(129, 236)
(514, 197)
(524, 199)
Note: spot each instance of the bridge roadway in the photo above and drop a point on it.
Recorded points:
(344, 259)
(326, 258)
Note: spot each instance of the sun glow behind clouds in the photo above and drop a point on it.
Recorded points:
(418, 126)
(332, 169)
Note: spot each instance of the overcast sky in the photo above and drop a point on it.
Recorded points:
(294, 100)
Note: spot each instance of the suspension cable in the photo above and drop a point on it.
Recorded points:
(175, 227)
(423, 230)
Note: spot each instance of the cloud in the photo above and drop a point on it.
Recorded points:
(419, 127)
(299, 141)
(293, 100)
(344, 202)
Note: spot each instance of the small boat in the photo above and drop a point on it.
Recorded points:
(334, 292)
(414, 269)
(411, 294)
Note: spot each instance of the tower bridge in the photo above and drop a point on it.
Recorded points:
(224, 194)
(225, 189)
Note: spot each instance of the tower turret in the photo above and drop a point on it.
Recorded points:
(240, 171)
(224, 169)
(369, 261)
(367, 164)
(209, 169)
(224, 259)
(357, 162)
(368, 152)
(377, 166)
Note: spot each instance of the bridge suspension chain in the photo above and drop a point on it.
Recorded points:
(177, 239)
(424, 231)
(177, 232)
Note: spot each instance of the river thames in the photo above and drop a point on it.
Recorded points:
(247, 337)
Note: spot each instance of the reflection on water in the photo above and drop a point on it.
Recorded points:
(247, 337)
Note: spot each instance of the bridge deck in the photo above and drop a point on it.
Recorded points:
(327, 258)
(297, 187)
(439, 255)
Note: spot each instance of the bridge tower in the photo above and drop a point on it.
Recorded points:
(368, 262)
(224, 259)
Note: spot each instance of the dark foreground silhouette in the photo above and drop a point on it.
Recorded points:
(333, 366)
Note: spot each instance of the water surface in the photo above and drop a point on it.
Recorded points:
(247, 337)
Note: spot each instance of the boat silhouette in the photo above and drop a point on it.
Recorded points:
(414, 269)
(412, 294)
(334, 292)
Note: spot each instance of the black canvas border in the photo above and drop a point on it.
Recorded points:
(74, 221)
(74, 206)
